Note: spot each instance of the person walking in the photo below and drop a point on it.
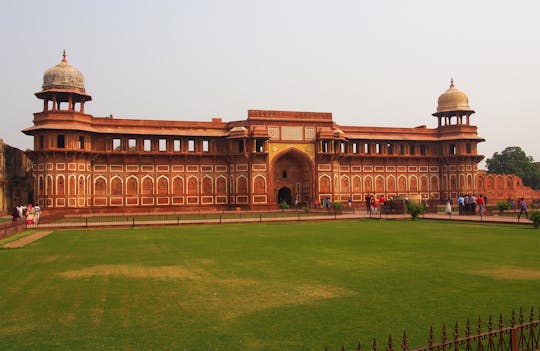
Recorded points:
(523, 206)
(480, 203)
(448, 208)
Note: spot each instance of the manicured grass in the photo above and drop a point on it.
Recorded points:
(285, 286)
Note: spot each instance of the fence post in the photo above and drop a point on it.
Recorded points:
(133, 220)
(514, 341)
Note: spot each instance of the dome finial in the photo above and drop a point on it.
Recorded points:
(452, 82)
(64, 56)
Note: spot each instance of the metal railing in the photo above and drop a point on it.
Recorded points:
(521, 335)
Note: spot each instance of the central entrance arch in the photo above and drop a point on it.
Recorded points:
(292, 172)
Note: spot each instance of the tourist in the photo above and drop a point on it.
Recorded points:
(367, 198)
(523, 206)
(382, 203)
(37, 213)
(350, 201)
(15, 214)
(467, 204)
(448, 208)
(30, 214)
(480, 203)
(21, 212)
(461, 203)
(473, 204)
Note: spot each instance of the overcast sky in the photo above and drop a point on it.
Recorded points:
(370, 63)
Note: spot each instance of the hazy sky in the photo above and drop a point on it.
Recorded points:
(381, 63)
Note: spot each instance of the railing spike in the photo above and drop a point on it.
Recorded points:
(490, 323)
(359, 348)
(430, 340)
(456, 331)
(374, 344)
(513, 321)
(531, 318)
(521, 318)
(479, 328)
(468, 328)
(443, 337)
(389, 346)
(501, 323)
(404, 342)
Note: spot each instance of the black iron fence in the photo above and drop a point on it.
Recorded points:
(10, 228)
(523, 334)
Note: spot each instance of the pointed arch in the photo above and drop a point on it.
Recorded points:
(368, 184)
(357, 184)
(41, 185)
(434, 183)
(116, 186)
(424, 184)
(379, 184)
(242, 185)
(60, 185)
(221, 185)
(193, 185)
(82, 186)
(259, 184)
(391, 184)
(72, 185)
(100, 185)
(402, 184)
(453, 182)
(132, 185)
(413, 183)
(325, 184)
(163, 185)
(207, 185)
(147, 185)
(345, 184)
(49, 185)
(178, 185)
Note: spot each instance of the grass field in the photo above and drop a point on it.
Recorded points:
(286, 286)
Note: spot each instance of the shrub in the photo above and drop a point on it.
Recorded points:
(503, 206)
(535, 218)
(284, 205)
(337, 205)
(414, 210)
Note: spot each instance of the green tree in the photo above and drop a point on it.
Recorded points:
(513, 160)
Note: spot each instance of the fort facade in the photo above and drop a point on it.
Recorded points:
(84, 163)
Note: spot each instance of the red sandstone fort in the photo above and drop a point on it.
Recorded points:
(84, 163)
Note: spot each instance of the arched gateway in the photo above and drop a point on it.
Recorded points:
(293, 177)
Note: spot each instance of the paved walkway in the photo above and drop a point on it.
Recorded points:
(133, 221)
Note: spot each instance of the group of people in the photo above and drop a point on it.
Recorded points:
(373, 203)
(30, 214)
(467, 204)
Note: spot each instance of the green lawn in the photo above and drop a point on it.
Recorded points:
(286, 286)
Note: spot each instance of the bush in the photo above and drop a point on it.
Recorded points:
(414, 210)
(284, 205)
(535, 218)
(503, 206)
(337, 205)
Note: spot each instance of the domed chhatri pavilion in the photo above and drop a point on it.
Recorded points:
(85, 163)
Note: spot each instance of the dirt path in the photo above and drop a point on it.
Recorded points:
(22, 242)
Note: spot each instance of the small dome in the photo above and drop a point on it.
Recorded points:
(453, 100)
(64, 77)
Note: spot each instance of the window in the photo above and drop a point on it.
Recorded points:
(412, 149)
(355, 148)
(191, 145)
(132, 144)
(205, 146)
(378, 148)
(390, 148)
(401, 149)
(116, 144)
(423, 149)
(284, 174)
(259, 145)
(147, 144)
(342, 147)
(452, 149)
(240, 145)
(468, 148)
(367, 149)
(176, 145)
(324, 146)
(81, 142)
(60, 142)
(162, 145)
(41, 142)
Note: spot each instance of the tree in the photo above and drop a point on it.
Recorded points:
(513, 160)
